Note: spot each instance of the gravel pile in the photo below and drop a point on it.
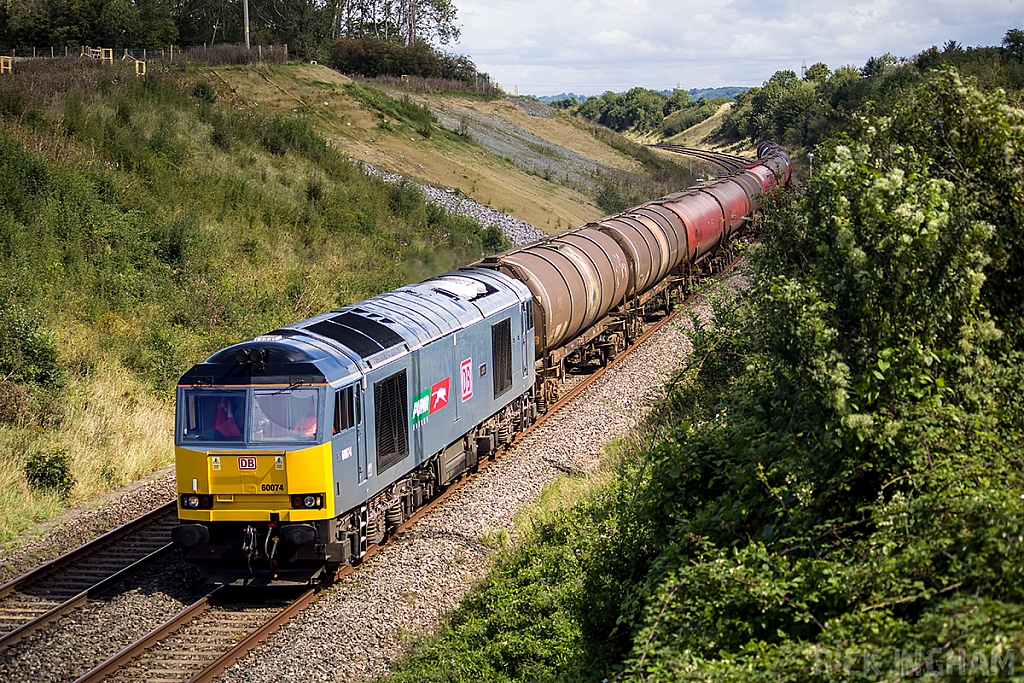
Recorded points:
(453, 201)
(77, 526)
(357, 629)
(532, 107)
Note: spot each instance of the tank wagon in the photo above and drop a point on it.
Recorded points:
(297, 450)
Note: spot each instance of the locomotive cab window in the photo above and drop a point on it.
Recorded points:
(346, 409)
(215, 416)
(285, 415)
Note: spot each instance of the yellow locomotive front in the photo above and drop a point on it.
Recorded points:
(253, 460)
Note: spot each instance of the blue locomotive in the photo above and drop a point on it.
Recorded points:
(298, 449)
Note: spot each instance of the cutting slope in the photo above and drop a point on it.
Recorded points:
(512, 156)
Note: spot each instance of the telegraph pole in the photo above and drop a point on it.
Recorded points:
(245, 12)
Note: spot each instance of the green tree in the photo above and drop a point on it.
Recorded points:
(676, 101)
(818, 71)
(1013, 43)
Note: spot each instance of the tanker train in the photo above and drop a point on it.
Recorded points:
(298, 449)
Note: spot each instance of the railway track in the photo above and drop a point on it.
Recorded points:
(729, 162)
(64, 584)
(206, 637)
(213, 633)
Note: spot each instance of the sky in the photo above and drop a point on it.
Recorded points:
(547, 47)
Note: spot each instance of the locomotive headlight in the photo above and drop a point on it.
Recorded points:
(201, 501)
(308, 501)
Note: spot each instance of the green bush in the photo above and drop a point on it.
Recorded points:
(50, 472)
(835, 478)
(373, 57)
(28, 353)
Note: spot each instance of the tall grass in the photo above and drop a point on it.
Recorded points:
(619, 190)
(143, 225)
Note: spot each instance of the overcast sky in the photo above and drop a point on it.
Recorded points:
(546, 47)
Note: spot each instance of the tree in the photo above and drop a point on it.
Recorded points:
(676, 101)
(1013, 43)
(817, 72)
(403, 20)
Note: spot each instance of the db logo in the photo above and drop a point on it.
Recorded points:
(247, 463)
(466, 372)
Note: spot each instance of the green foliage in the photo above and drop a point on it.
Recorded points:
(1013, 43)
(28, 353)
(834, 486)
(50, 472)
(204, 92)
(169, 230)
(690, 115)
(638, 109)
(804, 112)
(374, 57)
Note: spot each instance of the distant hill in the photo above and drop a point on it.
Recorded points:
(709, 93)
(548, 99)
(695, 93)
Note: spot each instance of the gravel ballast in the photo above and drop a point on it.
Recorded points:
(518, 232)
(79, 525)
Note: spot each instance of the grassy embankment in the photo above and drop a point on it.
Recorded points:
(144, 224)
(147, 222)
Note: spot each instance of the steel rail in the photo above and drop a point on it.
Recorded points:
(730, 162)
(51, 569)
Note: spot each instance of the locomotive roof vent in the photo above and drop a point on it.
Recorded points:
(457, 287)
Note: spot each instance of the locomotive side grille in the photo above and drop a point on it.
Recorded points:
(501, 356)
(390, 407)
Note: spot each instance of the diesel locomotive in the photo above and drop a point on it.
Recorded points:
(297, 450)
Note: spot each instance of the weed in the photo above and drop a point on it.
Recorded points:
(204, 92)
(50, 472)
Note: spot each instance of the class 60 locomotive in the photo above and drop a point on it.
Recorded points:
(298, 450)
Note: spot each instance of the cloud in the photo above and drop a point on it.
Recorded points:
(589, 46)
(614, 37)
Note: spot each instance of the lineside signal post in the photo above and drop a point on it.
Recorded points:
(6, 64)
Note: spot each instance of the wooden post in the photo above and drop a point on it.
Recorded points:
(65, 50)
(286, 52)
(261, 52)
(143, 54)
(51, 52)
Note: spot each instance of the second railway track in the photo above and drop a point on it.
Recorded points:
(64, 584)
